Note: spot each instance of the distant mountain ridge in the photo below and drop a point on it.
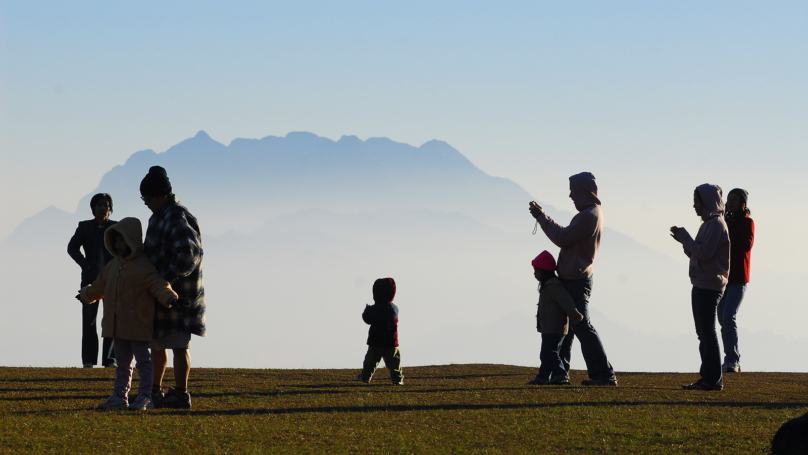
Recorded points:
(225, 185)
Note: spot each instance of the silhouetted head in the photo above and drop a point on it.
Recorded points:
(584, 190)
(155, 183)
(384, 290)
(101, 205)
(710, 198)
(736, 203)
(544, 266)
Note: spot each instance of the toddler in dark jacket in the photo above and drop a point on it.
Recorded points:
(383, 334)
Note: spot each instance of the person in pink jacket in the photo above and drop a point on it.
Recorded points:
(579, 243)
(709, 271)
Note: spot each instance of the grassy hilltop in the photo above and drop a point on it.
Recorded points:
(441, 409)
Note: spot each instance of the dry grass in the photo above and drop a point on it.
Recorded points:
(454, 408)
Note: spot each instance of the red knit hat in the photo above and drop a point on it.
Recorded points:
(544, 261)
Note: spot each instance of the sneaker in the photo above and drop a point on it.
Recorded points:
(87, 365)
(113, 403)
(176, 400)
(731, 369)
(157, 396)
(538, 381)
(401, 382)
(361, 379)
(698, 385)
(141, 404)
(564, 381)
(111, 365)
(598, 382)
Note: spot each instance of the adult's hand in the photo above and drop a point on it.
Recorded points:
(536, 210)
(674, 230)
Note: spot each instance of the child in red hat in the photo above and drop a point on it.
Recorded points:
(556, 310)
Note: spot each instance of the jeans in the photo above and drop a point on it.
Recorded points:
(124, 351)
(552, 368)
(597, 365)
(392, 360)
(727, 311)
(89, 338)
(705, 303)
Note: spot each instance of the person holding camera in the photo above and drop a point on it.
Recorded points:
(579, 243)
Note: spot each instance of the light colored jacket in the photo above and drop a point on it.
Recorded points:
(129, 286)
(709, 251)
(556, 308)
(579, 242)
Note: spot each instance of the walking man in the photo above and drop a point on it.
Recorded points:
(579, 243)
(174, 245)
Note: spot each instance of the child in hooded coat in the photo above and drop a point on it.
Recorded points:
(383, 334)
(556, 310)
(129, 285)
(709, 271)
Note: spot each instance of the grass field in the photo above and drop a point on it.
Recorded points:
(441, 409)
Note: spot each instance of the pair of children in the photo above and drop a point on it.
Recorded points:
(129, 285)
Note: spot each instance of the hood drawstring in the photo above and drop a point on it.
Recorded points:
(536, 227)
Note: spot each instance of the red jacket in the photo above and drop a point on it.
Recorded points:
(741, 237)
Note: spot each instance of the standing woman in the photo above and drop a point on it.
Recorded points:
(90, 237)
(709, 270)
(741, 237)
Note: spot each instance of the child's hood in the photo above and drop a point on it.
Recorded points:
(132, 232)
(584, 189)
(711, 200)
(384, 290)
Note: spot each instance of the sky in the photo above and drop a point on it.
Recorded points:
(654, 98)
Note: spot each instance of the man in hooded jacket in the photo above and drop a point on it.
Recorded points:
(579, 243)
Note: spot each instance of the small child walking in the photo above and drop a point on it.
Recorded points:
(383, 334)
(129, 285)
(556, 310)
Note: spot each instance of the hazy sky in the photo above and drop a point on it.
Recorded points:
(653, 97)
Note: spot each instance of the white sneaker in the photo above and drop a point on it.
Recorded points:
(401, 382)
(731, 369)
(114, 403)
(141, 404)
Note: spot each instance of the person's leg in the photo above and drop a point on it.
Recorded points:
(182, 368)
(565, 350)
(552, 368)
(370, 364)
(597, 365)
(123, 373)
(392, 360)
(705, 303)
(159, 363)
(145, 374)
(727, 317)
(89, 334)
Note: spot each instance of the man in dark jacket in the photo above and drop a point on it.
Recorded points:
(174, 245)
(383, 334)
(90, 236)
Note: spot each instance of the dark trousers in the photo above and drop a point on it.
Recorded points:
(597, 365)
(552, 368)
(705, 304)
(89, 338)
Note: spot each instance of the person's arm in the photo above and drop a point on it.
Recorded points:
(94, 291)
(186, 246)
(367, 315)
(583, 225)
(560, 295)
(747, 237)
(706, 247)
(158, 287)
(74, 248)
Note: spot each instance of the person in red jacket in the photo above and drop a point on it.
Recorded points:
(742, 237)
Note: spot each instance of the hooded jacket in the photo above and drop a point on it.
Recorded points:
(709, 251)
(129, 286)
(556, 308)
(382, 315)
(579, 242)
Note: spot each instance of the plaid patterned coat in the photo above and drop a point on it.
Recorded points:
(174, 245)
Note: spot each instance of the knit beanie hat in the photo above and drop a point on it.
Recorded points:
(741, 193)
(544, 261)
(384, 290)
(155, 183)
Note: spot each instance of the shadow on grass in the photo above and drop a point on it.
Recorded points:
(444, 407)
